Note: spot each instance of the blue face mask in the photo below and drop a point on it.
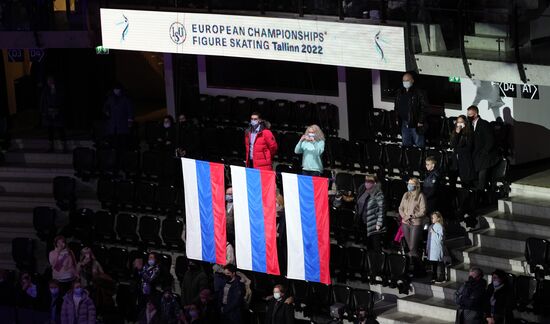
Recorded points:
(411, 187)
(229, 198)
(78, 292)
(254, 123)
(151, 262)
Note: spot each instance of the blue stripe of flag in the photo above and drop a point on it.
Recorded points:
(206, 211)
(309, 228)
(256, 216)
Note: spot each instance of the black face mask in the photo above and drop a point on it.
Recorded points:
(471, 118)
(228, 278)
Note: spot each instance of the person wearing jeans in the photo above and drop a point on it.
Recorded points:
(412, 211)
(311, 146)
(410, 104)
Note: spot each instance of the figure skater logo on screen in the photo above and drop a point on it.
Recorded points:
(125, 26)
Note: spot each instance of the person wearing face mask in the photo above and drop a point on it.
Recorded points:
(149, 276)
(88, 268)
(462, 145)
(431, 185)
(470, 299)
(193, 315)
(119, 112)
(77, 306)
(230, 297)
(410, 105)
(370, 207)
(311, 146)
(166, 135)
(52, 104)
(260, 144)
(194, 280)
(207, 306)
(278, 310)
(412, 210)
(27, 292)
(229, 216)
(54, 302)
(500, 303)
(484, 151)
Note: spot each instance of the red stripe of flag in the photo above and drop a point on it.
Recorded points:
(217, 179)
(269, 196)
(320, 188)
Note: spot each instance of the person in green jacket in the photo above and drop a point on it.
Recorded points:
(311, 146)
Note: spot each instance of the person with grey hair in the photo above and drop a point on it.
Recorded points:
(470, 299)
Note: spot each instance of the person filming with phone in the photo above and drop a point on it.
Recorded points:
(462, 144)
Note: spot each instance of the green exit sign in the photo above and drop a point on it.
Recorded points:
(454, 79)
(100, 50)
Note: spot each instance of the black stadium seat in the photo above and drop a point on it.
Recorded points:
(342, 295)
(362, 298)
(397, 268)
(149, 228)
(129, 163)
(376, 266)
(151, 167)
(241, 110)
(126, 226)
(82, 223)
(84, 162)
(537, 252)
(64, 192)
(107, 161)
(119, 262)
(394, 158)
(104, 226)
(355, 263)
(22, 252)
(125, 194)
(165, 199)
(181, 267)
(43, 220)
(145, 195)
(344, 182)
(172, 230)
(106, 193)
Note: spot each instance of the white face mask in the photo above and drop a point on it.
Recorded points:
(277, 295)
(407, 84)
(312, 135)
(167, 125)
(117, 92)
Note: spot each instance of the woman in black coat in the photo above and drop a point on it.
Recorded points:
(500, 300)
(462, 145)
(370, 207)
(279, 309)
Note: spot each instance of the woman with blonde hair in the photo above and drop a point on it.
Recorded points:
(88, 268)
(412, 211)
(435, 247)
(311, 146)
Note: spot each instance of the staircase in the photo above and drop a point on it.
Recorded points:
(499, 242)
(26, 182)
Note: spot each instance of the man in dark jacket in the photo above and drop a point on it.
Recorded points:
(260, 144)
(484, 149)
(278, 310)
(470, 299)
(230, 296)
(410, 104)
(119, 112)
(52, 105)
(499, 304)
(431, 186)
(371, 208)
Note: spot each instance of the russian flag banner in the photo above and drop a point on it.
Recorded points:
(254, 197)
(307, 227)
(204, 186)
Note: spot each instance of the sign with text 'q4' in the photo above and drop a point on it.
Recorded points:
(529, 91)
(283, 39)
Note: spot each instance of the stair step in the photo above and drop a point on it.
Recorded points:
(444, 290)
(37, 156)
(419, 305)
(39, 185)
(524, 189)
(492, 258)
(498, 239)
(43, 144)
(394, 316)
(42, 171)
(21, 200)
(522, 205)
(487, 43)
(518, 223)
(460, 272)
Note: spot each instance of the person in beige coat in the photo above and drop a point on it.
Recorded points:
(412, 211)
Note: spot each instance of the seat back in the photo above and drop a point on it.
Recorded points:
(126, 227)
(172, 230)
(536, 252)
(84, 161)
(107, 161)
(64, 192)
(104, 225)
(397, 265)
(344, 182)
(43, 220)
(376, 263)
(22, 252)
(149, 228)
(362, 298)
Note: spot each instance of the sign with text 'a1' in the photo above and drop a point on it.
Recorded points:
(283, 39)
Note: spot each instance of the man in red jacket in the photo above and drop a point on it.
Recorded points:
(260, 144)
